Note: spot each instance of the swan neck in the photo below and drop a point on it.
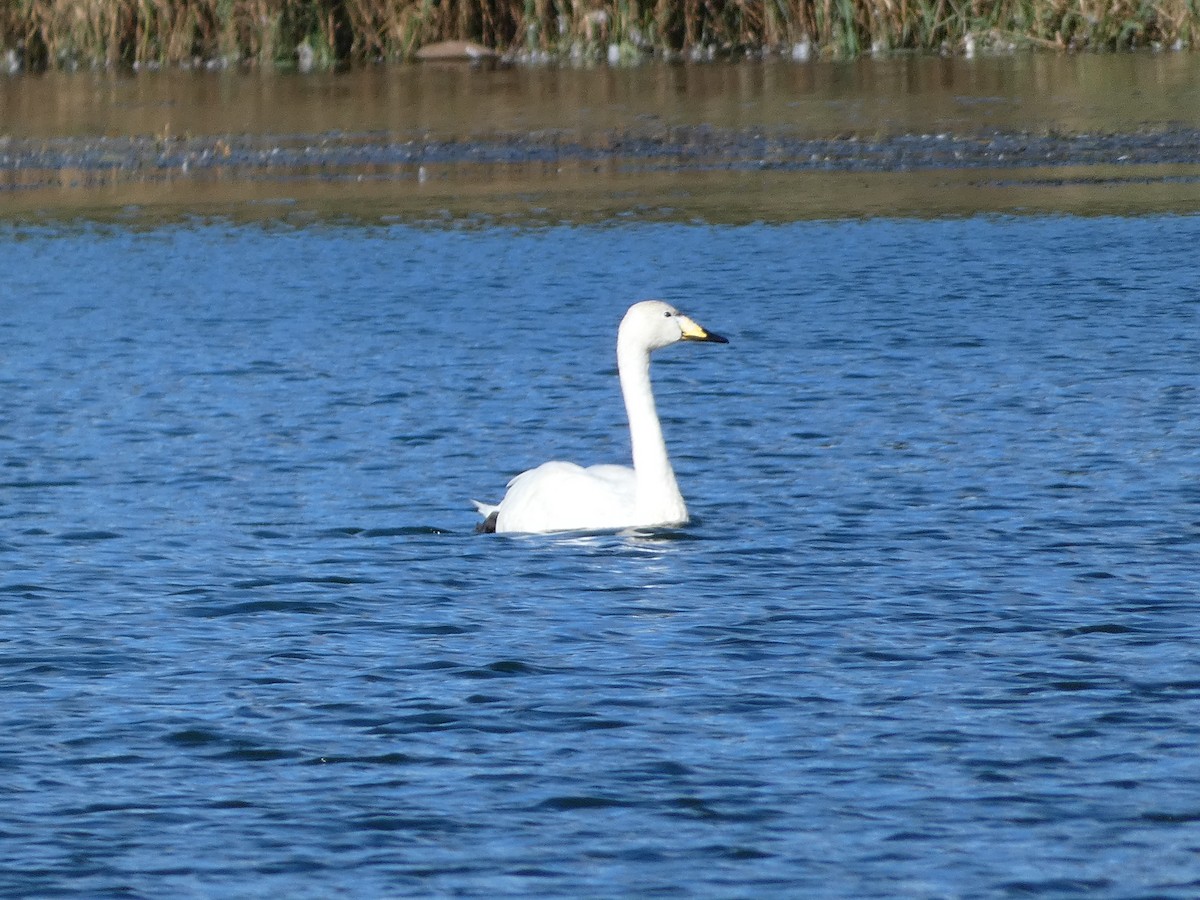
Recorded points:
(658, 492)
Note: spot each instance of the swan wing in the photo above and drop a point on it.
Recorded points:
(620, 478)
(561, 496)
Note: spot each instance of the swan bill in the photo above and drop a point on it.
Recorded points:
(692, 331)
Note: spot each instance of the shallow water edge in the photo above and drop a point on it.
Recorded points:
(720, 143)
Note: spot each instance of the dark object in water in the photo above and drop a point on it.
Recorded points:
(488, 525)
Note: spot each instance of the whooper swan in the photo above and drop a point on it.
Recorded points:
(561, 496)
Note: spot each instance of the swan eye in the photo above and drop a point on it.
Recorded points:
(667, 314)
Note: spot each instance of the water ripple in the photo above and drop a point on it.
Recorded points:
(930, 633)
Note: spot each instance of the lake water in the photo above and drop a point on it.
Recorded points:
(932, 631)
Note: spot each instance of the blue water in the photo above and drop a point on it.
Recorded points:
(933, 631)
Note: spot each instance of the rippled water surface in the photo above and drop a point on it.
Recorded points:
(932, 632)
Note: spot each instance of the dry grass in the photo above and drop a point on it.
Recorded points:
(110, 33)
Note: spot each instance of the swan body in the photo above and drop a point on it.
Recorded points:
(562, 496)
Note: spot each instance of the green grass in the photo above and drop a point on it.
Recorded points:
(46, 34)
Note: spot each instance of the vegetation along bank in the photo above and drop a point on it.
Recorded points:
(68, 34)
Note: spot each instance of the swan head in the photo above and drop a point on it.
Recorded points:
(653, 324)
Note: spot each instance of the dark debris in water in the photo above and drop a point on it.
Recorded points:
(73, 536)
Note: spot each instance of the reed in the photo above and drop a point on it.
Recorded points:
(39, 34)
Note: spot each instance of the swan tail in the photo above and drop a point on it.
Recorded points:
(490, 514)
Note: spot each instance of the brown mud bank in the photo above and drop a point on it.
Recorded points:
(714, 143)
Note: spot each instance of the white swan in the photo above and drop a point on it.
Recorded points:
(561, 496)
